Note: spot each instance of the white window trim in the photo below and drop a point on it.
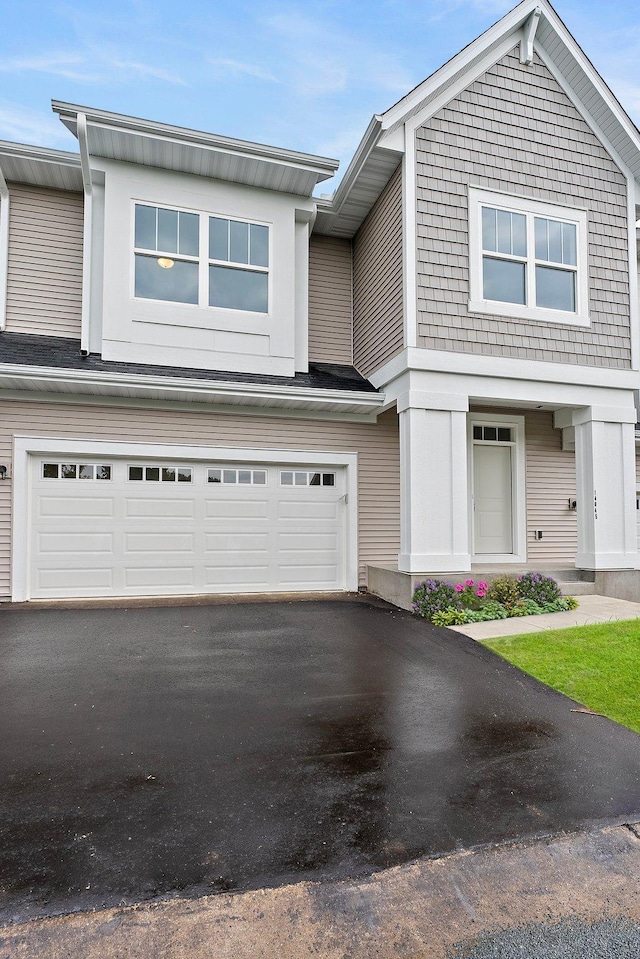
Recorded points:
(203, 260)
(26, 447)
(518, 485)
(518, 204)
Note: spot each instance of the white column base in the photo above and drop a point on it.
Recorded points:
(429, 563)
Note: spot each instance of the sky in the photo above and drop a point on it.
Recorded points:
(303, 75)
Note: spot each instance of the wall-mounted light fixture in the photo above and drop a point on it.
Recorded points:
(573, 504)
(3, 472)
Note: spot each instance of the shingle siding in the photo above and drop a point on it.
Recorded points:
(44, 282)
(515, 130)
(330, 300)
(378, 281)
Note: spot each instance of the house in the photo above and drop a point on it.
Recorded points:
(213, 380)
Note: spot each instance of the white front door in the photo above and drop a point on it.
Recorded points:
(493, 499)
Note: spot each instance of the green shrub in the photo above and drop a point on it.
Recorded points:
(504, 590)
(451, 617)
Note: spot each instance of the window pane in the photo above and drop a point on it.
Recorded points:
(168, 474)
(135, 472)
(315, 479)
(50, 470)
(238, 289)
(542, 239)
(85, 472)
(286, 479)
(259, 477)
(184, 474)
(488, 228)
(301, 479)
(503, 280)
(218, 238)
(555, 289)
(259, 245)
(503, 232)
(214, 476)
(103, 472)
(490, 433)
(555, 241)
(569, 244)
(177, 284)
(244, 476)
(477, 432)
(152, 474)
(238, 242)
(504, 434)
(328, 479)
(229, 476)
(68, 471)
(188, 242)
(145, 227)
(519, 234)
(168, 231)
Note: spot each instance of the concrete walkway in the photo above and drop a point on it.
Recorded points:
(592, 609)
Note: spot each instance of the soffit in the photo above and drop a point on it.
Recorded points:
(37, 166)
(117, 137)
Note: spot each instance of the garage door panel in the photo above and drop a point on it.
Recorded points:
(295, 577)
(309, 540)
(61, 543)
(168, 577)
(160, 508)
(124, 538)
(242, 542)
(237, 576)
(159, 542)
(307, 509)
(68, 507)
(232, 508)
(53, 580)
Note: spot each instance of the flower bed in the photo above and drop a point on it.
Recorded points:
(453, 604)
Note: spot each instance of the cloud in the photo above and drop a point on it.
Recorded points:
(23, 125)
(236, 68)
(321, 59)
(91, 66)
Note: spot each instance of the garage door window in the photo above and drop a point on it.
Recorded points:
(160, 474)
(242, 477)
(83, 471)
(306, 478)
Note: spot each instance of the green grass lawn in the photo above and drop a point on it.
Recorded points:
(598, 666)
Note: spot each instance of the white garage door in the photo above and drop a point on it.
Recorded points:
(115, 527)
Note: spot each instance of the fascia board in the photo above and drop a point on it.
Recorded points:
(366, 145)
(68, 112)
(470, 364)
(35, 377)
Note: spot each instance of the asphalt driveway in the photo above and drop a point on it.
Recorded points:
(187, 750)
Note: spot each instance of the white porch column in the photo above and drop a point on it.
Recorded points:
(606, 487)
(434, 500)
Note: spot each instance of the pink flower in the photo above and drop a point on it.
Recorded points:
(468, 582)
(484, 586)
(480, 593)
(459, 587)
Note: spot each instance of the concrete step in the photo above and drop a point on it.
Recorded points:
(572, 575)
(576, 587)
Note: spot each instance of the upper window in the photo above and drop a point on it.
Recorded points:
(527, 259)
(227, 267)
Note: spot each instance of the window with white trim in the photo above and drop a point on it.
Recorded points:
(306, 478)
(184, 257)
(81, 471)
(528, 259)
